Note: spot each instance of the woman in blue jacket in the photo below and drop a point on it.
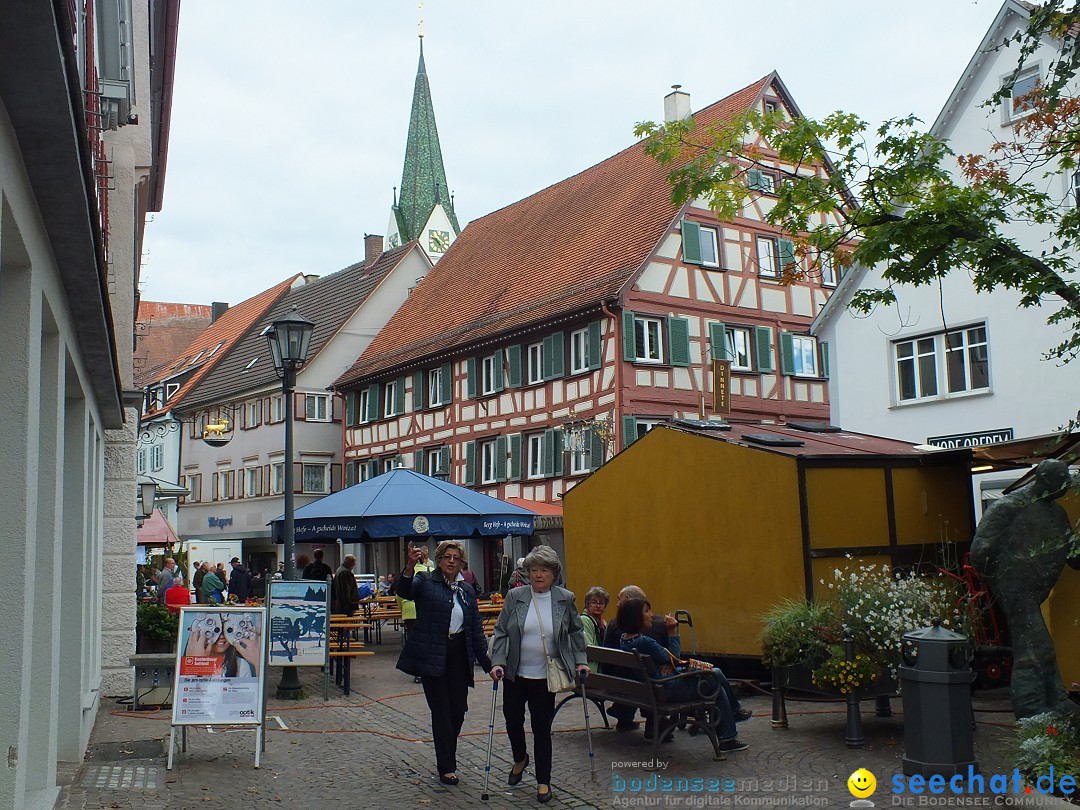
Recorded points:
(442, 646)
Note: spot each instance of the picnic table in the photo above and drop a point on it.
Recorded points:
(489, 614)
(344, 646)
(378, 612)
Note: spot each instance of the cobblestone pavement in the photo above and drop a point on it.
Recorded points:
(373, 749)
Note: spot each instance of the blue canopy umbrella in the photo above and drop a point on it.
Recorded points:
(402, 503)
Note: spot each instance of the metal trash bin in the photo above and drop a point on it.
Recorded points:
(936, 692)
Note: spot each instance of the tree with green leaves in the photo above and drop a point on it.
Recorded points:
(898, 197)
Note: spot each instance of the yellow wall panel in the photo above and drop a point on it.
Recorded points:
(933, 504)
(700, 525)
(847, 507)
(824, 569)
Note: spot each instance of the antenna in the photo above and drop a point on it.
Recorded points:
(420, 25)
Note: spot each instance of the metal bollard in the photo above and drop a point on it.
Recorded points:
(936, 692)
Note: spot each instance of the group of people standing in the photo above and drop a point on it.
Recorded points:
(214, 587)
(539, 621)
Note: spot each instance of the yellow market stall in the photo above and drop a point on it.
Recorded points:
(726, 520)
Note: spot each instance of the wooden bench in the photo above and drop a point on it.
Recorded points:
(632, 686)
(342, 646)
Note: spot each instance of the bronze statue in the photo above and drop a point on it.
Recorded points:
(1020, 548)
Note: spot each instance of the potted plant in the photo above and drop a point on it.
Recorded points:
(849, 644)
(1048, 743)
(155, 629)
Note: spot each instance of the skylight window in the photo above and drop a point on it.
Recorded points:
(213, 351)
(195, 359)
(254, 360)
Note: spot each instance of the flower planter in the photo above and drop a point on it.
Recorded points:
(145, 644)
(798, 678)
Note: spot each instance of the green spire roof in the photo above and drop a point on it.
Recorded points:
(423, 180)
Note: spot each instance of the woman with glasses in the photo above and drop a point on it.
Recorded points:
(442, 646)
(592, 620)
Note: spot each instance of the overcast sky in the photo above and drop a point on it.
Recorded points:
(290, 116)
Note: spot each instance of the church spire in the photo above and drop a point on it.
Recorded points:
(423, 179)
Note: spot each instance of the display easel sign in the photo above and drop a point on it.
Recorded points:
(220, 671)
(299, 617)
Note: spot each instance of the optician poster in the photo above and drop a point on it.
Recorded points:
(220, 666)
(298, 614)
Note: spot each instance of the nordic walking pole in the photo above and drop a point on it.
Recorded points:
(588, 728)
(491, 731)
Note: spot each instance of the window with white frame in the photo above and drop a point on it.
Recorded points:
(251, 482)
(943, 364)
(645, 425)
(579, 351)
(140, 460)
(224, 480)
(488, 462)
(648, 340)
(581, 454)
(157, 457)
(317, 407)
(253, 413)
(1076, 188)
(536, 363)
(434, 459)
(277, 407)
(535, 455)
(435, 386)
(762, 180)
(277, 478)
(827, 269)
(191, 481)
(737, 339)
(389, 395)
(363, 403)
(315, 478)
(487, 374)
(804, 355)
(388, 464)
(710, 247)
(1019, 104)
(364, 471)
(768, 256)
(170, 390)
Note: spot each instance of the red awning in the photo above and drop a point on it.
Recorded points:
(539, 507)
(156, 531)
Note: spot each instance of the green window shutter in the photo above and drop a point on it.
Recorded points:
(558, 447)
(470, 464)
(718, 341)
(786, 251)
(629, 338)
(763, 349)
(350, 473)
(678, 340)
(691, 242)
(497, 364)
(373, 468)
(399, 396)
(500, 459)
(418, 390)
(446, 380)
(444, 460)
(824, 359)
(545, 359)
(399, 461)
(629, 431)
(554, 356)
(418, 461)
(549, 452)
(515, 457)
(470, 378)
(755, 180)
(597, 447)
(787, 354)
(373, 402)
(513, 364)
(596, 345)
(352, 399)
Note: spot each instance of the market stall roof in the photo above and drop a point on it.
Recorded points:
(1028, 451)
(548, 515)
(403, 503)
(156, 531)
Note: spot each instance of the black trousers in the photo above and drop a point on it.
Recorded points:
(541, 703)
(448, 699)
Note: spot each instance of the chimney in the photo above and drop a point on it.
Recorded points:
(676, 105)
(217, 309)
(373, 248)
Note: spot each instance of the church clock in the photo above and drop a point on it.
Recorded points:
(438, 241)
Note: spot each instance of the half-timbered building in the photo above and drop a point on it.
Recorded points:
(559, 329)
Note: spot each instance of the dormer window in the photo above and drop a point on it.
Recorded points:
(770, 106)
(170, 390)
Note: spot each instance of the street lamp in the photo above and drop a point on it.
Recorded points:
(144, 500)
(289, 338)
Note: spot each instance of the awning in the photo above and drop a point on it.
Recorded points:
(548, 515)
(1026, 452)
(156, 531)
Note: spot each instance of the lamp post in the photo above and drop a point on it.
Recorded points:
(144, 500)
(289, 338)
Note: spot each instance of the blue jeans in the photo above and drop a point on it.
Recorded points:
(686, 689)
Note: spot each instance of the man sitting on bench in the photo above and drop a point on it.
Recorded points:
(634, 616)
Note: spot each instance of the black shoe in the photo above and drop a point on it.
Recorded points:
(627, 725)
(417, 679)
(733, 745)
(515, 775)
(545, 796)
(741, 715)
(448, 778)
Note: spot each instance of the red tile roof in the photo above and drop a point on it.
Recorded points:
(162, 331)
(565, 249)
(226, 331)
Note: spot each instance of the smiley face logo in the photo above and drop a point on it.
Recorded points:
(861, 783)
